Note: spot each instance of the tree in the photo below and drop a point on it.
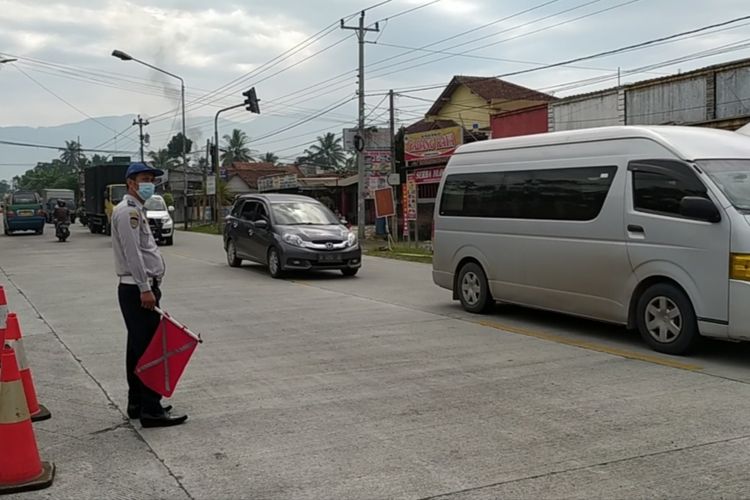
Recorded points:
(4, 187)
(327, 153)
(160, 159)
(72, 156)
(54, 174)
(235, 148)
(270, 158)
(174, 148)
(98, 159)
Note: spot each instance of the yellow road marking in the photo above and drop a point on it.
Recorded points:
(592, 346)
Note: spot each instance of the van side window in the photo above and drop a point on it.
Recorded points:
(660, 186)
(575, 194)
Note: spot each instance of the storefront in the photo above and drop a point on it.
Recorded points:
(426, 154)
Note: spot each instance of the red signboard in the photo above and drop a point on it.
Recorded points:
(384, 205)
(439, 143)
(428, 175)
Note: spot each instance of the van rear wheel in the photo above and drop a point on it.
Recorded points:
(473, 290)
(666, 320)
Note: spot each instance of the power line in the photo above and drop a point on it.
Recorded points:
(61, 148)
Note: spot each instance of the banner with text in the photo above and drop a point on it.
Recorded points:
(440, 143)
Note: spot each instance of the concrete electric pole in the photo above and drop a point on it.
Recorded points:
(141, 123)
(361, 33)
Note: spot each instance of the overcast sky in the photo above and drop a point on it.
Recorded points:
(65, 46)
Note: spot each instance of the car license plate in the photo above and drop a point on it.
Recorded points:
(25, 213)
(329, 258)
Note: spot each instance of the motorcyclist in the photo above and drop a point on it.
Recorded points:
(61, 213)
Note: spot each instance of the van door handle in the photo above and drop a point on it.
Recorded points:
(632, 228)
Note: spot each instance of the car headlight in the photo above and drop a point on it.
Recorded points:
(294, 239)
(167, 221)
(351, 240)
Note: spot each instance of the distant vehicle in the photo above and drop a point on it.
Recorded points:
(160, 219)
(22, 211)
(104, 188)
(289, 232)
(49, 200)
(647, 227)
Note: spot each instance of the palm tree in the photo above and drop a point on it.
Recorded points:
(328, 152)
(235, 148)
(72, 156)
(160, 159)
(270, 158)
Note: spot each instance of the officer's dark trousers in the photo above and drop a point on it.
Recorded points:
(141, 324)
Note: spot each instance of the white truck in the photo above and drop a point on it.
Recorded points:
(49, 202)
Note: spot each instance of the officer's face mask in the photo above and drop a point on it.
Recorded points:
(146, 190)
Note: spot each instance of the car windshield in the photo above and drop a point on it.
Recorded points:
(155, 203)
(733, 178)
(302, 213)
(118, 193)
(24, 198)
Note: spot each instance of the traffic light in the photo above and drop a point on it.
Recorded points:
(251, 101)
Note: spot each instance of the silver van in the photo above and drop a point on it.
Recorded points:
(647, 227)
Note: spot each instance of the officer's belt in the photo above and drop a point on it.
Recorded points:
(129, 280)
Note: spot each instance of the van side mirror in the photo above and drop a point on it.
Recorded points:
(170, 208)
(696, 207)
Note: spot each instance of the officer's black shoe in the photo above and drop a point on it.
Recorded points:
(134, 411)
(163, 420)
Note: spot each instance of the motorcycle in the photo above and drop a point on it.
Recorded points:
(62, 231)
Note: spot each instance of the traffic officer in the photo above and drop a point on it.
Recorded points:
(140, 268)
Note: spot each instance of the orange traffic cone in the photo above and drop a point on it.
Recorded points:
(3, 315)
(21, 469)
(13, 338)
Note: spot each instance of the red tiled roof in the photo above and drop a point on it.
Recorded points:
(251, 172)
(424, 125)
(489, 89)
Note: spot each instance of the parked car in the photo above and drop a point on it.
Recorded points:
(160, 219)
(641, 226)
(23, 211)
(289, 232)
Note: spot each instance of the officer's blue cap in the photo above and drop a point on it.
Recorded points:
(140, 167)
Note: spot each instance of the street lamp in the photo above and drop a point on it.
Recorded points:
(127, 57)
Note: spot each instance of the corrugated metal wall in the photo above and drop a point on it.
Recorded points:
(676, 102)
(598, 110)
(733, 93)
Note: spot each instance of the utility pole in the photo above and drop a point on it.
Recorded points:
(392, 125)
(361, 33)
(141, 123)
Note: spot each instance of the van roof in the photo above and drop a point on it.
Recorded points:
(688, 143)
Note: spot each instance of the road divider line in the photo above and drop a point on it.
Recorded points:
(592, 346)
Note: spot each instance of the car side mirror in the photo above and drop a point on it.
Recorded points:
(343, 221)
(696, 207)
(261, 224)
(170, 208)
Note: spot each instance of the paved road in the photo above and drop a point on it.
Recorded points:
(372, 387)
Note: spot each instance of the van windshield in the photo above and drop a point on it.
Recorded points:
(733, 178)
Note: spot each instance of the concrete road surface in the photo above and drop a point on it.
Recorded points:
(371, 387)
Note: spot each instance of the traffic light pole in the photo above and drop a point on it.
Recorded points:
(361, 32)
(217, 199)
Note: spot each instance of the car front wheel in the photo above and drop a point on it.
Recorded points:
(274, 264)
(666, 319)
(232, 258)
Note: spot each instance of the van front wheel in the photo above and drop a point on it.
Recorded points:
(666, 320)
(473, 290)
